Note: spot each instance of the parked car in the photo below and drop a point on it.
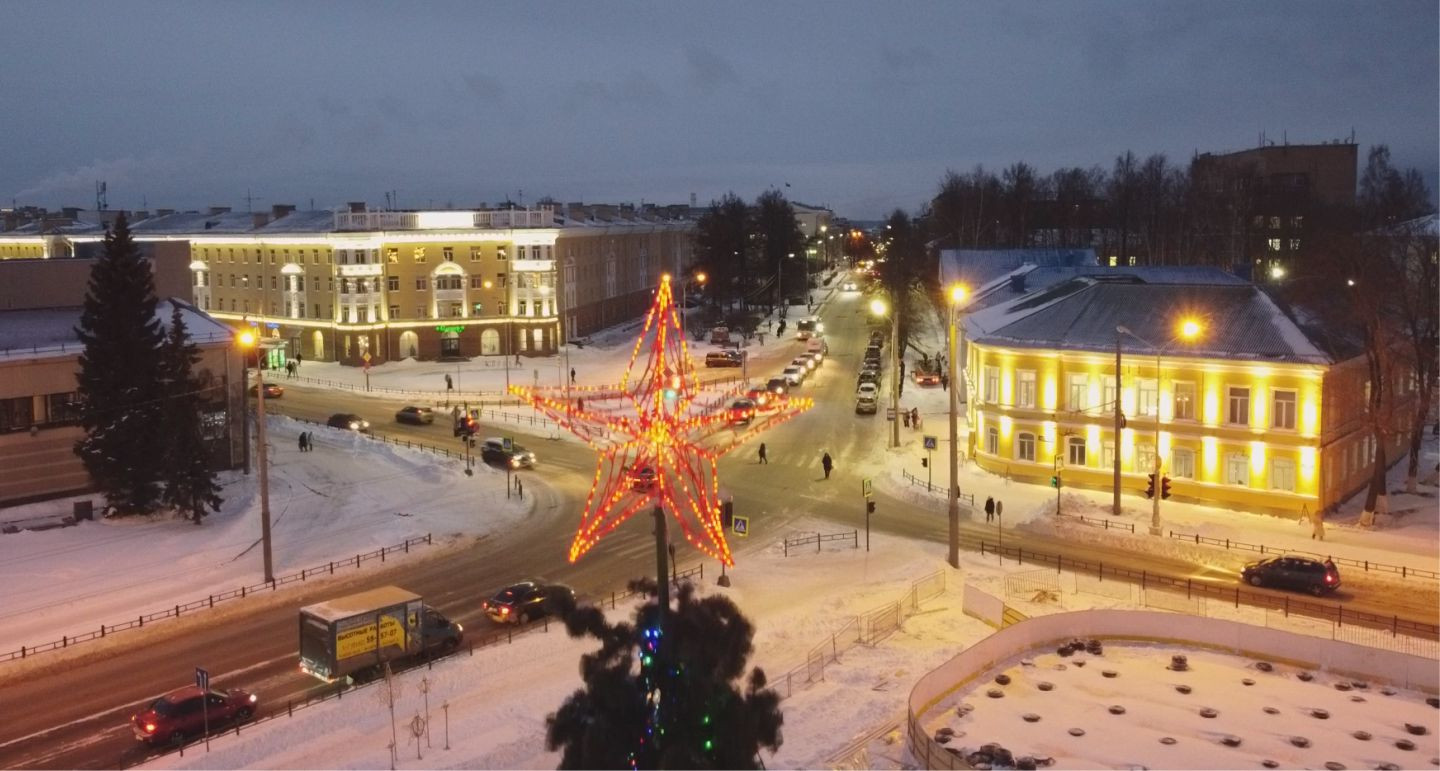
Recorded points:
(868, 376)
(182, 714)
(778, 386)
(526, 601)
(872, 353)
(493, 451)
(272, 390)
(877, 338)
(350, 421)
(866, 403)
(794, 375)
(1293, 572)
(719, 335)
(723, 359)
(742, 411)
(417, 415)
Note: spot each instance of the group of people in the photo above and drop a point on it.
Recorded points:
(993, 509)
(307, 441)
(911, 418)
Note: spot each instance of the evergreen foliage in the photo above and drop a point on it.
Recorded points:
(704, 719)
(121, 405)
(190, 485)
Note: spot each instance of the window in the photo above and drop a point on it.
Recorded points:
(1149, 400)
(449, 253)
(992, 440)
(315, 257)
(419, 254)
(274, 284)
(1025, 390)
(420, 283)
(392, 255)
(1075, 451)
(1107, 455)
(1078, 392)
(362, 314)
(1282, 475)
(1237, 469)
(16, 414)
(392, 283)
(500, 253)
(992, 385)
(344, 256)
(522, 308)
(1238, 411)
(1025, 447)
(317, 310)
(299, 283)
(1184, 401)
(501, 278)
(474, 254)
(1145, 458)
(1182, 463)
(520, 252)
(1273, 244)
(1282, 414)
(394, 311)
(344, 286)
(1107, 400)
(420, 312)
(477, 282)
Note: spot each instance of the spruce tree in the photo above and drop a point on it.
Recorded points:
(694, 661)
(190, 485)
(118, 382)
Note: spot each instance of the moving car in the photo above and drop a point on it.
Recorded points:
(808, 328)
(723, 359)
(794, 375)
(815, 356)
(182, 713)
(742, 411)
(418, 415)
(526, 601)
(272, 390)
(761, 397)
(924, 378)
(804, 361)
(642, 477)
(348, 420)
(778, 386)
(493, 451)
(817, 345)
(849, 285)
(1293, 572)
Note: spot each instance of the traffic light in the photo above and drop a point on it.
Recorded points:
(727, 513)
(1055, 482)
(1165, 488)
(869, 507)
(1150, 490)
(924, 463)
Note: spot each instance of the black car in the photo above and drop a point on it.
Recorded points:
(526, 601)
(493, 451)
(272, 390)
(349, 421)
(778, 386)
(868, 376)
(1293, 572)
(418, 415)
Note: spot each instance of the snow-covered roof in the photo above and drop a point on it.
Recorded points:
(51, 331)
(1240, 321)
(977, 267)
(350, 604)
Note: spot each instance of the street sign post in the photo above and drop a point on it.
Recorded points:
(867, 489)
(929, 461)
(741, 525)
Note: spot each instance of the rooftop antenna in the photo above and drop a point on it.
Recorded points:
(100, 203)
(249, 201)
(521, 195)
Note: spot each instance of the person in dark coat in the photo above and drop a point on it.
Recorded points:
(302, 441)
(449, 384)
(763, 459)
(827, 464)
(572, 375)
(989, 509)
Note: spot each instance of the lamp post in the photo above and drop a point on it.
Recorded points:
(1189, 330)
(880, 308)
(250, 340)
(957, 296)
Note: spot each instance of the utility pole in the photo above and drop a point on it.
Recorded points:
(1119, 418)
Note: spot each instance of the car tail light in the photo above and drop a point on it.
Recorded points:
(504, 611)
(252, 698)
(1331, 578)
(149, 728)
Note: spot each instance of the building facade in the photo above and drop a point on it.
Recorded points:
(1253, 415)
(363, 286)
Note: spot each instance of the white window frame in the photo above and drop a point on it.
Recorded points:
(992, 385)
(1075, 451)
(1107, 454)
(1147, 397)
(1232, 400)
(1283, 420)
(1144, 457)
(992, 440)
(1182, 463)
(1025, 446)
(1108, 394)
(1077, 385)
(1025, 388)
(1183, 394)
(1237, 469)
(1282, 474)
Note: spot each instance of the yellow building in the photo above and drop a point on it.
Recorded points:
(373, 286)
(1252, 414)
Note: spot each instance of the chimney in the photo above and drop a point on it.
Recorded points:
(279, 210)
(214, 210)
(1017, 283)
(261, 219)
(356, 207)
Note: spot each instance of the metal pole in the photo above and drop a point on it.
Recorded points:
(244, 411)
(1155, 503)
(264, 465)
(1115, 506)
(662, 567)
(954, 496)
(894, 374)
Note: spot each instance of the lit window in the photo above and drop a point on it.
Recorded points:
(992, 385)
(1145, 457)
(419, 254)
(1238, 409)
(1182, 463)
(1237, 469)
(392, 255)
(1184, 401)
(474, 254)
(992, 440)
(1025, 447)
(1282, 413)
(1075, 451)
(1282, 475)
(1107, 399)
(1149, 397)
(1078, 392)
(448, 253)
(1025, 389)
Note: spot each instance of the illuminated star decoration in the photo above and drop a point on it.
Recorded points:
(658, 435)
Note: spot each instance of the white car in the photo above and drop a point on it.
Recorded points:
(804, 362)
(868, 389)
(794, 375)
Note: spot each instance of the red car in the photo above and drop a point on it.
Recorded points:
(925, 378)
(742, 411)
(181, 714)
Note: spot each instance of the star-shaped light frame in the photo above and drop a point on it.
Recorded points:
(659, 434)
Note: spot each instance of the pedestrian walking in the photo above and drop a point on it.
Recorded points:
(449, 384)
(302, 441)
(1317, 526)
(999, 508)
(905, 416)
(519, 488)
(763, 459)
(944, 382)
(915, 417)
(989, 509)
(572, 376)
(517, 359)
(827, 464)
(298, 359)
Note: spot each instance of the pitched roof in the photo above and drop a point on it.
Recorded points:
(1241, 322)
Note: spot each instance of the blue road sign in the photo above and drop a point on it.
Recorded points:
(930, 443)
(741, 525)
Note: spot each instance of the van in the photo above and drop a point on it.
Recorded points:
(808, 328)
(723, 359)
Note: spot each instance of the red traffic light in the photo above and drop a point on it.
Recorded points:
(1150, 490)
(1165, 488)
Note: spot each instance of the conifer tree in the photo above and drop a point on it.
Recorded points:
(118, 382)
(190, 485)
(693, 662)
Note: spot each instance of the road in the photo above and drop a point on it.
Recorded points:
(76, 716)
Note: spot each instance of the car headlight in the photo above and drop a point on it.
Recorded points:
(354, 426)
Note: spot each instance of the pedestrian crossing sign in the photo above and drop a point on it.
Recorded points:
(741, 525)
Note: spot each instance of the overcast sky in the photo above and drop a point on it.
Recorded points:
(859, 106)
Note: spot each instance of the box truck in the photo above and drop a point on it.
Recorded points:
(355, 636)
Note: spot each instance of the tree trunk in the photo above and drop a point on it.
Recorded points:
(1375, 499)
(1417, 435)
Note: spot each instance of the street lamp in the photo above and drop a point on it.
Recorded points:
(957, 296)
(880, 308)
(249, 340)
(1188, 330)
